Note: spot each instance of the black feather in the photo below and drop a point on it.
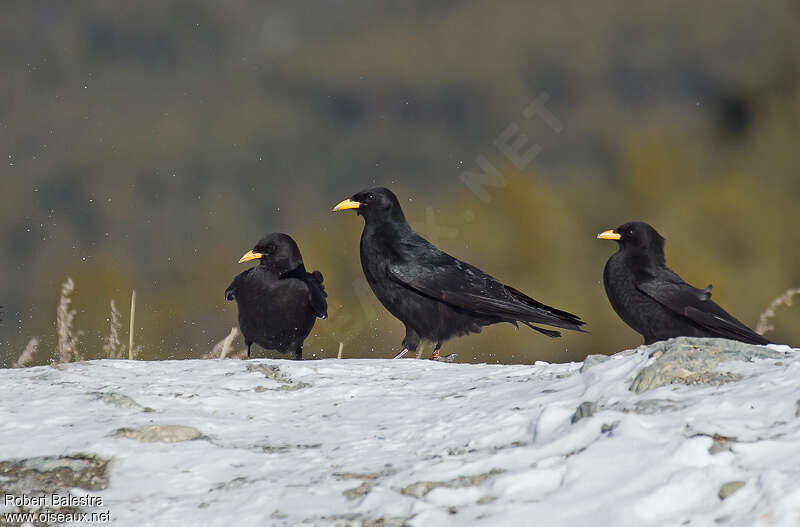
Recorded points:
(435, 295)
(656, 302)
(278, 300)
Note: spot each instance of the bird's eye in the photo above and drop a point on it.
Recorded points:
(371, 197)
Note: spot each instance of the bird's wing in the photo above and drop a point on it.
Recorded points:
(316, 291)
(317, 294)
(672, 292)
(438, 275)
(230, 293)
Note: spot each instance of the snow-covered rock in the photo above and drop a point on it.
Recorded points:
(409, 442)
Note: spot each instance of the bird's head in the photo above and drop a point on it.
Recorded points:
(277, 252)
(374, 204)
(636, 237)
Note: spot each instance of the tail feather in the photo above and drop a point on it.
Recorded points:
(544, 314)
(316, 275)
(548, 332)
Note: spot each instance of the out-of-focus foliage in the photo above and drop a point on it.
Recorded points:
(150, 143)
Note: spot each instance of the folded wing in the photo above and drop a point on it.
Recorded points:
(317, 294)
(672, 292)
(464, 286)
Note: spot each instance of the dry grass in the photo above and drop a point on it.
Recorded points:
(784, 300)
(223, 348)
(132, 350)
(113, 347)
(26, 358)
(65, 316)
(68, 338)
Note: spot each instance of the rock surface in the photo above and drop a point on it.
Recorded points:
(416, 442)
(695, 361)
(40, 478)
(159, 433)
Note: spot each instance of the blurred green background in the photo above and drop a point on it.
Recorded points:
(149, 144)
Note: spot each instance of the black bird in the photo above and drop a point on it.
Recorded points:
(436, 296)
(278, 300)
(655, 301)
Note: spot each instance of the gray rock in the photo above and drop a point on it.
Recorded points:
(421, 488)
(687, 360)
(120, 401)
(585, 409)
(360, 491)
(368, 522)
(720, 443)
(281, 449)
(656, 406)
(274, 372)
(729, 488)
(593, 360)
(609, 427)
(38, 477)
(159, 433)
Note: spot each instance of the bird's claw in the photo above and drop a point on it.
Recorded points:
(446, 358)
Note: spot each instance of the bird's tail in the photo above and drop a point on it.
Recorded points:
(544, 314)
(548, 332)
(316, 275)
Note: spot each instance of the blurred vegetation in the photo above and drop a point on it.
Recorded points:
(149, 144)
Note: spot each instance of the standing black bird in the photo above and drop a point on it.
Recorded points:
(278, 300)
(655, 301)
(435, 295)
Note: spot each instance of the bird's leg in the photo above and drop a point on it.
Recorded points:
(410, 342)
(437, 357)
(406, 350)
(248, 349)
(401, 354)
(297, 350)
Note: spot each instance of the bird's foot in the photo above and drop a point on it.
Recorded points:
(401, 354)
(447, 358)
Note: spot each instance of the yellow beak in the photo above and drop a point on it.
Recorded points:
(250, 255)
(609, 235)
(347, 204)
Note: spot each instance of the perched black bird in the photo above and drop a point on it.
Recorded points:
(278, 300)
(435, 295)
(656, 302)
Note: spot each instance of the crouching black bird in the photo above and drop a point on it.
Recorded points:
(435, 295)
(278, 300)
(655, 301)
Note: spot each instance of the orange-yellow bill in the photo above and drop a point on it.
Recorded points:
(250, 255)
(346, 205)
(609, 235)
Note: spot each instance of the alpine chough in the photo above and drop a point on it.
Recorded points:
(436, 296)
(278, 300)
(655, 301)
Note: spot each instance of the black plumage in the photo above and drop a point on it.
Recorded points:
(436, 296)
(656, 302)
(278, 300)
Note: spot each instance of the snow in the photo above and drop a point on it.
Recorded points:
(348, 442)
